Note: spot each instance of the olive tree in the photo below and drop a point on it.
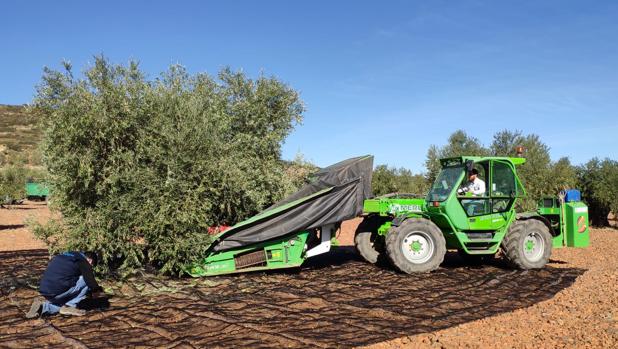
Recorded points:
(398, 180)
(598, 180)
(140, 168)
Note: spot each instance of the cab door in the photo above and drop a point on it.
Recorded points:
(503, 191)
(491, 211)
(477, 208)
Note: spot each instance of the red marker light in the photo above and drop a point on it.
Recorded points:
(436, 204)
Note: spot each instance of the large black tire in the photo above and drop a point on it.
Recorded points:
(416, 246)
(527, 244)
(368, 243)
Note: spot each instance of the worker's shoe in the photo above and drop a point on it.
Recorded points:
(65, 310)
(35, 308)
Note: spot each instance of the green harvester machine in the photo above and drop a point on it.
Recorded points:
(36, 190)
(412, 233)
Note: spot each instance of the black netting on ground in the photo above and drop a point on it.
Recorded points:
(334, 301)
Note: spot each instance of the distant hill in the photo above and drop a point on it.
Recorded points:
(19, 135)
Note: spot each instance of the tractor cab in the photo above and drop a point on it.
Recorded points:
(456, 208)
(475, 215)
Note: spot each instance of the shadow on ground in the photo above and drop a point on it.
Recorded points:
(333, 301)
(11, 226)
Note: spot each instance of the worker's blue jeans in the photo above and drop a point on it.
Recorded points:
(69, 298)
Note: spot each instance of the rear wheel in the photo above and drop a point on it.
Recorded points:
(416, 246)
(528, 244)
(368, 243)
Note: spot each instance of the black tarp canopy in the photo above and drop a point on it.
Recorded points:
(335, 194)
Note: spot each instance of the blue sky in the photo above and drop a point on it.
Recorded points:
(387, 78)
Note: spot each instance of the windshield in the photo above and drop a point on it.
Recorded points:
(443, 185)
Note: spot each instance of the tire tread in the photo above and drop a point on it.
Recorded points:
(396, 257)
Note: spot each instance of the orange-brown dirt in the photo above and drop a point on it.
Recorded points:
(14, 235)
(335, 300)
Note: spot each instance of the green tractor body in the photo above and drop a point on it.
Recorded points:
(412, 233)
(476, 225)
(568, 218)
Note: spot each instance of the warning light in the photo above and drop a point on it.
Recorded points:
(519, 150)
(436, 204)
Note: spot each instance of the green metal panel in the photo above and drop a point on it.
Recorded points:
(287, 252)
(37, 189)
(371, 206)
(576, 224)
(384, 228)
(456, 213)
(463, 159)
(557, 241)
(393, 206)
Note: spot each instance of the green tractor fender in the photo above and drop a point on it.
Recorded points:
(533, 215)
(401, 218)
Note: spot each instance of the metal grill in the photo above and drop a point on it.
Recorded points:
(250, 259)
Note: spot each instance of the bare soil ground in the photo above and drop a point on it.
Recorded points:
(14, 235)
(333, 301)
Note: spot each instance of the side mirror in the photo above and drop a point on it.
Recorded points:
(469, 166)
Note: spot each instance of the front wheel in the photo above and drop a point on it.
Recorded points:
(528, 244)
(416, 246)
(368, 243)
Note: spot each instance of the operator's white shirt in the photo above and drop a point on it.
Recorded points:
(476, 187)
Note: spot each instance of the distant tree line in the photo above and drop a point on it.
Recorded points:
(597, 179)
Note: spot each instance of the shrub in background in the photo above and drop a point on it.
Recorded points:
(598, 181)
(12, 184)
(387, 180)
(298, 172)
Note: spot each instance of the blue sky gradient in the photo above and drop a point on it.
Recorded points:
(386, 78)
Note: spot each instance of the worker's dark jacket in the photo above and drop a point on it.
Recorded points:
(62, 273)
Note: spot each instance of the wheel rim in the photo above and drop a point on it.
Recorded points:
(534, 245)
(417, 247)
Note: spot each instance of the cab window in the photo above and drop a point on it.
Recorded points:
(503, 186)
(477, 205)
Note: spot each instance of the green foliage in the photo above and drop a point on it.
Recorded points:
(19, 135)
(49, 233)
(536, 173)
(562, 175)
(598, 181)
(397, 180)
(458, 144)
(297, 173)
(141, 168)
(12, 184)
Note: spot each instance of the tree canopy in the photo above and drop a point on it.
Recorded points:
(141, 168)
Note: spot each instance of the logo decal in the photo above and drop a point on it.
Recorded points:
(581, 224)
(394, 208)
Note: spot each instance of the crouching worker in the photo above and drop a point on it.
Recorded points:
(66, 281)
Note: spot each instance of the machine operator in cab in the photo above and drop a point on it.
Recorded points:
(475, 185)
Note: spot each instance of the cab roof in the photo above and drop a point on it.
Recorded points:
(465, 158)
